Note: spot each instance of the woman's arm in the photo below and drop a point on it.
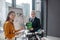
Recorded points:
(19, 30)
(6, 29)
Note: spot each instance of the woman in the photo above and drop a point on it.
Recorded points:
(9, 29)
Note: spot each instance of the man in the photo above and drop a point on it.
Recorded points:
(35, 23)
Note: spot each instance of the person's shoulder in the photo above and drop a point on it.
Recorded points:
(7, 22)
(37, 18)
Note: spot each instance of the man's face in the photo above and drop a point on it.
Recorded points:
(33, 14)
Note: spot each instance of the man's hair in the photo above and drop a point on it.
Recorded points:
(33, 11)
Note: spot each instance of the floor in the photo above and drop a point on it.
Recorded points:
(52, 38)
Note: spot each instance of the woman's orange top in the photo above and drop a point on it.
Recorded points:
(9, 29)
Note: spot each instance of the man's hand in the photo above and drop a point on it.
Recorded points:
(31, 29)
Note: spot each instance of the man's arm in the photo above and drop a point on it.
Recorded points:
(38, 25)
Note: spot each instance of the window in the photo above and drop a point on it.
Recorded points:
(9, 1)
(38, 8)
(25, 2)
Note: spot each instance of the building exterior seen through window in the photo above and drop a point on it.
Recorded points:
(26, 5)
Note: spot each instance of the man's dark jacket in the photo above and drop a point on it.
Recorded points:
(35, 24)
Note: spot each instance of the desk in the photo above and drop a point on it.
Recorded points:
(25, 34)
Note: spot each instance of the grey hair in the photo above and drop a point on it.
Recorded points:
(34, 11)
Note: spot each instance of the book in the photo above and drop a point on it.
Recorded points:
(29, 25)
